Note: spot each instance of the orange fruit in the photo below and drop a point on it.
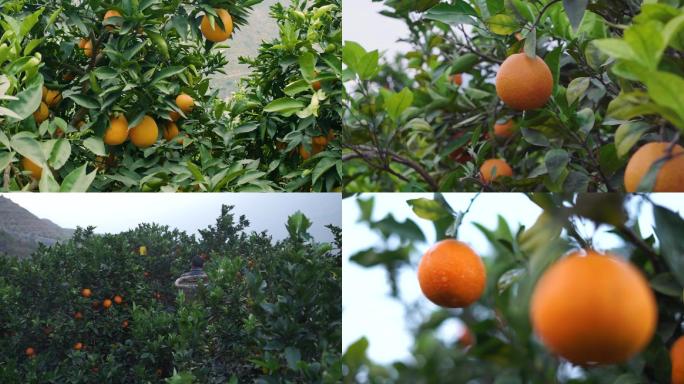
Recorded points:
(524, 83)
(504, 130)
(669, 178)
(82, 43)
(304, 153)
(677, 360)
(457, 79)
(145, 133)
(451, 274)
(124, 324)
(86, 292)
(174, 116)
(30, 352)
(88, 48)
(111, 13)
(593, 309)
(106, 303)
(494, 168)
(42, 113)
(51, 97)
(35, 170)
(117, 132)
(78, 315)
(217, 34)
(171, 131)
(78, 346)
(118, 299)
(318, 144)
(185, 103)
(467, 339)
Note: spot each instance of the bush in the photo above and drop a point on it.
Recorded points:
(270, 312)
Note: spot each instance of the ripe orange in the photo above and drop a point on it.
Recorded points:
(51, 97)
(78, 315)
(451, 274)
(111, 13)
(117, 132)
(316, 85)
(82, 43)
(304, 153)
(669, 179)
(144, 134)
(492, 169)
(593, 308)
(170, 131)
(86, 292)
(78, 346)
(107, 303)
(118, 299)
(677, 360)
(457, 79)
(504, 130)
(185, 103)
(467, 339)
(174, 116)
(318, 144)
(30, 352)
(217, 34)
(87, 48)
(42, 113)
(124, 324)
(524, 83)
(35, 170)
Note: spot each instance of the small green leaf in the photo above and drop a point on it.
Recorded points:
(627, 135)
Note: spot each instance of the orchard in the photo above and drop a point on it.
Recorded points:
(543, 305)
(118, 96)
(103, 308)
(573, 95)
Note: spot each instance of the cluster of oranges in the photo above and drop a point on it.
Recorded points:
(318, 145)
(606, 308)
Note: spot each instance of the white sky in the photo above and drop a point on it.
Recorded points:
(369, 311)
(117, 212)
(362, 23)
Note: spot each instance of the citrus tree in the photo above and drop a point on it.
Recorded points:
(120, 98)
(104, 308)
(544, 306)
(519, 95)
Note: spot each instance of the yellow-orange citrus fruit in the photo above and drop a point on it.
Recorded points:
(52, 97)
(318, 144)
(88, 48)
(677, 361)
(504, 130)
(35, 170)
(118, 299)
(171, 131)
(78, 346)
(593, 309)
(106, 303)
(331, 135)
(451, 274)
(42, 113)
(304, 153)
(467, 339)
(30, 352)
(144, 134)
(124, 324)
(217, 34)
(117, 132)
(86, 292)
(670, 177)
(174, 116)
(524, 83)
(457, 79)
(185, 103)
(492, 169)
(82, 43)
(111, 13)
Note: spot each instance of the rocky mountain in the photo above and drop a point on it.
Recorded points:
(21, 231)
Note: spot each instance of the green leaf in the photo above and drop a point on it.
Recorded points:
(428, 209)
(556, 160)
(575, 11)
(293, 356)
(647, 43)
(454, 14)
(666, 90)
(166, 73)
(669, 227)
(84, 101)
(617, 48)
(47, 182)
(503, 24)
(284, 106)
(577, 89)
(159, 41)
(321, 167)
(28, 100)
(627, 135)
(78, 180)
(95, 145)
(30, 148)
(5, 159)
(307, 64)
(397, 103)
(464, 63)
(61, 150)
(296, 87)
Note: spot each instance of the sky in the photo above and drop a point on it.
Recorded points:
(117, 212)
(362, 23)
(369, 311)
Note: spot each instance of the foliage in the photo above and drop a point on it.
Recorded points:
(269, 313)
(616, 67)
(141, 62)
(504, 347)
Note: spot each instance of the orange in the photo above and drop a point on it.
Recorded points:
(111, 13)
(124, 324)
(144, 134)
(106, 303)
(677, 360)
(78, 346)
(82, 43)
(86, 292)
(524, 83)
(88, 48)
(504, 130)
(35, 170)
(316, 85)
(78, 315)
(217, 34)
(30, 352)
(494, 168)
(457, 79)
(51, 97)
(185, 103)
(318, 144)
(593, 309)
(467, 339)
(42, 113)
(171, 131)
(117, 132)
(451, 274)
(118, 299)
(669, 178)
(304, 153)
(174, 116)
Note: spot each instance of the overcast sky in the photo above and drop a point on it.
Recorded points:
(117, 212)
(369, 311)
(362, 23)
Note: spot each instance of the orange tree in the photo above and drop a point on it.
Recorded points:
(544, 305)
(290, 104)
(113, 71)
(96, 308)
(564, 93)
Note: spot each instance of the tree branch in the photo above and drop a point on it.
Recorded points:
(364, 152)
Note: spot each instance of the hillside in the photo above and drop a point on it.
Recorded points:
(21, 231)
